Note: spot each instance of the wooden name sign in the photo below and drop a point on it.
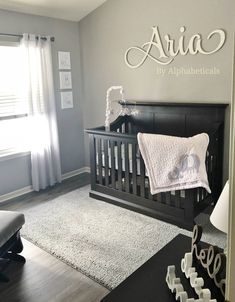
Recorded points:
(213, 262)
(164, 49)
(211, 259)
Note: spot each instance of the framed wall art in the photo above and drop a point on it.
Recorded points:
(65, 80)
(64, 60)
(66, 99)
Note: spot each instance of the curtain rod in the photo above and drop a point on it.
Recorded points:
(21, 36)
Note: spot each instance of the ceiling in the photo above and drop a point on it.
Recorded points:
(73, 10)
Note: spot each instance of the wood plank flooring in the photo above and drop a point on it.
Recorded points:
(44, 278)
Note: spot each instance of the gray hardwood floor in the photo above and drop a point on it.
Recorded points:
(44, 278)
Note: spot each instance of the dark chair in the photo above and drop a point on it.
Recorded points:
(10, 241)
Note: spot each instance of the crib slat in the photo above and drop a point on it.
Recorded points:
(113, 172)
(200, 194)
(123, 127)
(189, 204)
(106, 162)
(99, 160)
(157, 197)
(119, 155)
(149, 195)
(212, 178)
(142, 177)
(168, 198)
(163, 197)
(177, 198)
(92, 142)
(127, 168)
(134, 169)
(126, 127)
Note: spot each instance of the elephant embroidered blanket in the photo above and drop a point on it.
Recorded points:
(174, 163)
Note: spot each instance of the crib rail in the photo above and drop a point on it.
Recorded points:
(116, 163)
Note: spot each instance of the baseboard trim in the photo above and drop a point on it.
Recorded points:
(15, 193)
(29, 189)
(75, 172)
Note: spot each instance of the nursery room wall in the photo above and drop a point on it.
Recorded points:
(15, 172)
(110, 30)
(98, 44)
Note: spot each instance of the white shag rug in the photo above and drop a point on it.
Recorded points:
(103, 241)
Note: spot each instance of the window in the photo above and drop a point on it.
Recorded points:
(13, 104)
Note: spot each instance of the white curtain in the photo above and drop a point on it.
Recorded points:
(44, 143)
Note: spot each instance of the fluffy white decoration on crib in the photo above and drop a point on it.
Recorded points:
(124, 110)
(108, 104)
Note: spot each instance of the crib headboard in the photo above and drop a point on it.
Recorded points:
(184, 119)
(179, 119)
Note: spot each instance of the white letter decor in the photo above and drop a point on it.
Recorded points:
(167, 48)
(210, 259)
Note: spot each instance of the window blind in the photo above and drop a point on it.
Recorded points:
(12, 100)
(14, 127)
(12, 106)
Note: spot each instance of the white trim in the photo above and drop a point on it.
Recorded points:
(29, 189)
(13, 155)
(15, 193)
(75, 172)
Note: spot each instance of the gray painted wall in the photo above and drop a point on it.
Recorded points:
(102, 39)
(111, 29)
(15, 173)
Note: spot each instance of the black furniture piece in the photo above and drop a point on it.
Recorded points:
(10, 240)
(118, 172)
(148, 283)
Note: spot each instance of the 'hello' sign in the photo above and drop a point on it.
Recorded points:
(168, 48)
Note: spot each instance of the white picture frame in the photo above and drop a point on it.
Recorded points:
(64, 60)
(65, 80)
(66, 99)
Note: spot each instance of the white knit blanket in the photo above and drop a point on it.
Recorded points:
(174, 163)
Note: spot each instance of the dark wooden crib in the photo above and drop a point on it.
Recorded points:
(118, 172)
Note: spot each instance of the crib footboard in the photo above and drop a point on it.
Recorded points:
(118, 176)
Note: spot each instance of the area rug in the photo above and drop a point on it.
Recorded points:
(103, 241)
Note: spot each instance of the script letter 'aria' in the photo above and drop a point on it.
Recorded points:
(163, 51)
